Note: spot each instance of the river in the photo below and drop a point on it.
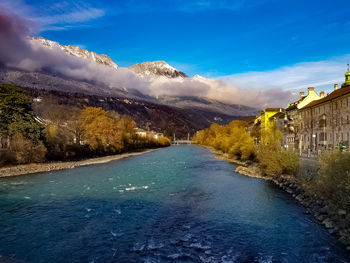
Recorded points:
(178, 204)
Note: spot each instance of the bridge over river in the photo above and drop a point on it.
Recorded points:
(178, 142)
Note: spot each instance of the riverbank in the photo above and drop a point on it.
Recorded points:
(25, 169)
(335, 220)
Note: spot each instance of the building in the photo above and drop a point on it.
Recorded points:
(324, 123)
(292, 121)
(267, 117)
(140, 132)
(151, 134)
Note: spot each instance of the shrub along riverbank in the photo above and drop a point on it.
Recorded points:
(39, 131)
(325, 194)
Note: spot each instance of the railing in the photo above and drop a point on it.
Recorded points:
(178, 142)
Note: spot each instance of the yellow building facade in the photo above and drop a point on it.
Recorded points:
(266, 120)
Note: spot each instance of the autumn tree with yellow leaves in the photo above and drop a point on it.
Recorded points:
(232, 139)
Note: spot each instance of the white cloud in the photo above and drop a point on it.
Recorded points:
(58, 16)
(321, 74)
(258, 89)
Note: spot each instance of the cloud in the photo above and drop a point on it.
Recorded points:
(178, 87)
(80, 14)
(18, 51)
(188, 6)
(245, 95)
(258, 89)
(62, 15)
(280, 86)
(320, 74)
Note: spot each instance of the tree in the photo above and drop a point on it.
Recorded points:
(16, 115)
(273, 158)
(100, 131)
(232, 139)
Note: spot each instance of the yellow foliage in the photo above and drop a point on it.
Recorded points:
(232, 139)
(273, 158)
(332, 182)
(106, 131)
(100, 131)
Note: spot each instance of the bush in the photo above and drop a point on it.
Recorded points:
(24, 151)
(289, 162)
(275, 160)
(332, 182)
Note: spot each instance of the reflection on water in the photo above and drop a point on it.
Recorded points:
(173, 205)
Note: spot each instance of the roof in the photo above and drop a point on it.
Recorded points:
(335, 94)
(292, 107)
(277, 116)
(273, 109)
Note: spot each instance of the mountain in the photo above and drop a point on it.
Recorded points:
(157, 69)
(191, 102)
(77, 51)
(167, 114)
(50, 81)
(203, 79)
(148, 115)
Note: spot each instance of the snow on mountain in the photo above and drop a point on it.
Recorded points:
(155, 81)
(204, 80)
(77, 51)
(157, 69)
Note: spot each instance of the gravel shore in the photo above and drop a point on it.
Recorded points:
(53, 166)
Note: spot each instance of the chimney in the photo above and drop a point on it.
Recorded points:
(322, 94)
(310, 89)
(302, 94)
(335, 86)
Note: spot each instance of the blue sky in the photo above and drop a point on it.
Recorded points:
(213, 38)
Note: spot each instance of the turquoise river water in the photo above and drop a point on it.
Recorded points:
(178, 204)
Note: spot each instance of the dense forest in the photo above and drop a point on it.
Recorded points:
(39, 130)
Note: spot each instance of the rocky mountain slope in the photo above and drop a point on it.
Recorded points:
(148, 115)
(49, 81)
(77, 51)
(156, 69)
(191, 102)
(168, 114)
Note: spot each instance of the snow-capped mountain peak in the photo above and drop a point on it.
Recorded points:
(77, 51)
(156, 69)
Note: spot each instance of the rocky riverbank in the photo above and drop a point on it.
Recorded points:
(53, 166)
(335, 220)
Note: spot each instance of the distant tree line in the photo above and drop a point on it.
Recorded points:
(45, 130)
(236, 140)
(232, 139)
